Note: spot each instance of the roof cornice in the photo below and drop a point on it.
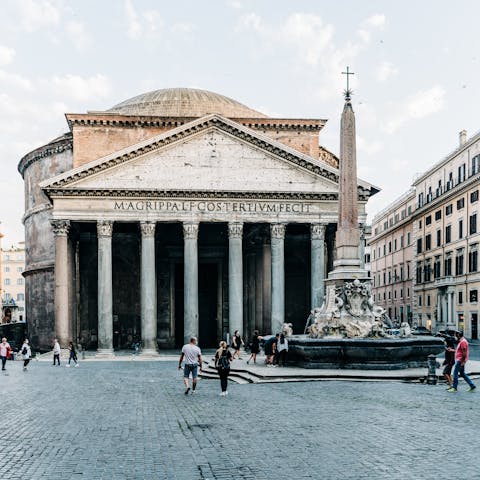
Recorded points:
(95, 119)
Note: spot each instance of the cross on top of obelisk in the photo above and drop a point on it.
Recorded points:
(348, 92)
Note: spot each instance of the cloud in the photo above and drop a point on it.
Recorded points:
(385, 71)
(38, 14)
(420, 105)
(78, 35)
(80, 88)
(14, 80)
(145, 24)
(6, 55)
(369, 147)
(374, 22)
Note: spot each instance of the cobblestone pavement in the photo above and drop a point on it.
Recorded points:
(127, 420)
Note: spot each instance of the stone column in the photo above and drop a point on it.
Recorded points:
(148, 281)
(445, 307)
(235, 277)
(452, 308)
(63, 324)
(190, 298)
(277, 232)
(105, 301)
(317, 259)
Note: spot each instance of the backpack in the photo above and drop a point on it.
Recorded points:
(24, 350)
(223, 361)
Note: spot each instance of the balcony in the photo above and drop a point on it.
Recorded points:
(445, 281)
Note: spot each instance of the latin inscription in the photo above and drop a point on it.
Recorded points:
(211, 207)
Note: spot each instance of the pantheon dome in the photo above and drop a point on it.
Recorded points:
(184, 102)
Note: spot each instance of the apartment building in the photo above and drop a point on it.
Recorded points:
(13, 286)
(391, 258)
(433, 232)
(446, 234)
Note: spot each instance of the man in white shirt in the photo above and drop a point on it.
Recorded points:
(193, 361)
(56, 352)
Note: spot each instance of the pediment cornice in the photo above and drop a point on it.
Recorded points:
(68, 179)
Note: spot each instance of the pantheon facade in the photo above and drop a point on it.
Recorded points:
(178, 212)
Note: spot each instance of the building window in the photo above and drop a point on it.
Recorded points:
(7, 269)
(437, 268)
(473, 223)
(461, 173)
(19, 281)
(428, 220)
(419, 272)
(389, 295)
(475, 164)
(20, 297)
(428, 300)
(408, 239)
(449, 209)
(384, 278)
(439, 238)
(420, 200)
(419, 224)
(419, 245)
(19, 269)
(459, 262)
(389, 247)
(6, 281)
(401, 241)
(448, 234)
(384, 249)
(408, 270)
(427, 272)
(428, 242)
(460, 228)
(419, 300)
(395, 245)
(408, 292)
(460, 203)
(389, 277)
(401, 293)
(474, 196)
(448, 266)
(438, 215)
(473, 296)
(384, 295)
(460, 298)
(473, 259)
(395, 294)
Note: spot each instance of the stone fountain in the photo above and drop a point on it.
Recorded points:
(349, 330)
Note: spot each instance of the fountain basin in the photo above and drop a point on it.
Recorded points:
(362, 353)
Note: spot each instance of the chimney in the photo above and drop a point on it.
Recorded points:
(462, 137)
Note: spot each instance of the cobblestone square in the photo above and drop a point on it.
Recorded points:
(131, 420)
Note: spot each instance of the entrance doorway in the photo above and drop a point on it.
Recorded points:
(474, 326)
(208, 304)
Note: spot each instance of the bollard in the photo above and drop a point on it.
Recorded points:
(432, 370)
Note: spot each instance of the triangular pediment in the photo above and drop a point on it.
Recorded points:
(209, 154)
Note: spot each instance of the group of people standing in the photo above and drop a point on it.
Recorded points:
(276, 349)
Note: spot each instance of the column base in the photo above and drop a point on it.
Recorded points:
(149, 352)
(105, 353)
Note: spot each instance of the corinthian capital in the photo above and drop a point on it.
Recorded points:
(60, 227)
(277, 230)
(235, 230)
(190, 230)
(147, 229)
(104, 228)
(317, 231)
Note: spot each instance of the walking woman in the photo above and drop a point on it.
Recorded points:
(223, 357)
(5, 350)
(26, 352)
(254, 347)
(237, 342)
(73, 354)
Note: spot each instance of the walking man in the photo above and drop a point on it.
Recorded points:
(26, 352)
(461, 358)
(56, 352)
(193, 361)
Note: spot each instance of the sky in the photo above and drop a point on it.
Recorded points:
(416, 65)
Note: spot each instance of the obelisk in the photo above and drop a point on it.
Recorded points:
(347, 265)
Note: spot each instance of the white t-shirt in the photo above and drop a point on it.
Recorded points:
(191, 353)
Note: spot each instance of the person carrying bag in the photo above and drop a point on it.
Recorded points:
(223, 357)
